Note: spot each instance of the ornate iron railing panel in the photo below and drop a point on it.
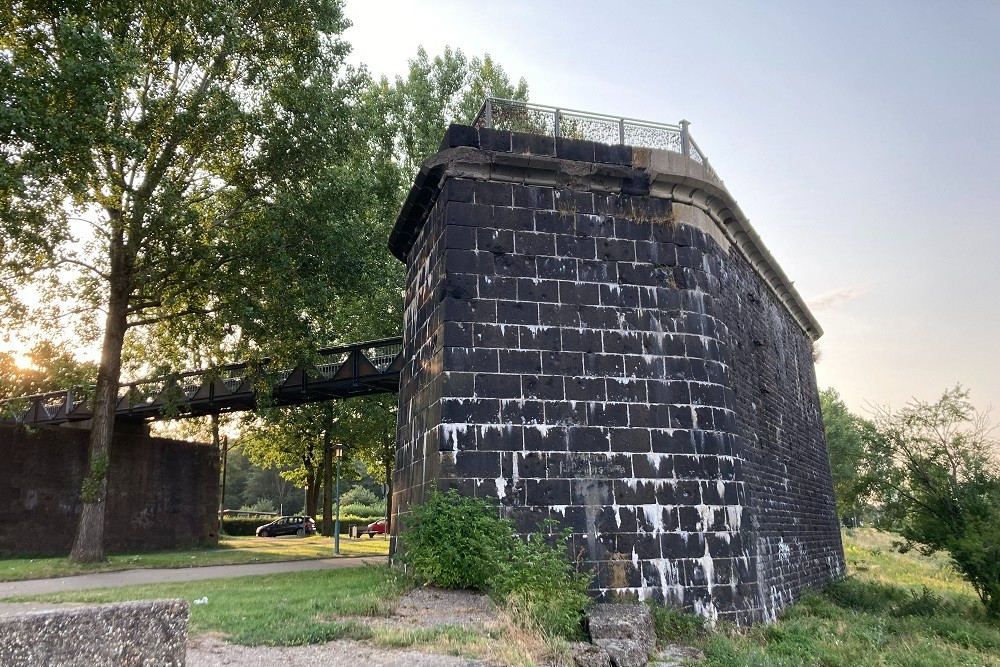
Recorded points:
(342, 372)
(517, 116)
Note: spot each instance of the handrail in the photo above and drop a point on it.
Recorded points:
(340, 372)
(519, 116)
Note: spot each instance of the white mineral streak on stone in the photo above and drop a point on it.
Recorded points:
(734, 517)
(543, 429)
(561, 509)
(720, 486)
(654, 517)
(705, 512)
(707, 610)
(784, 550)
(501, 488)
(451, 431)
(655, 459)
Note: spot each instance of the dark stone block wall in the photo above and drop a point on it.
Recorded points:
(604, 359)
(161, 493)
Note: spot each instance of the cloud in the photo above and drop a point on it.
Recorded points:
(833, 297)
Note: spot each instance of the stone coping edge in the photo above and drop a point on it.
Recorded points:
(537, 160)
(143, 633)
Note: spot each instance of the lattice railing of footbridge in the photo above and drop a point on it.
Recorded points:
(340, 372)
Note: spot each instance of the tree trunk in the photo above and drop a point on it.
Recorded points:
(88, 545)
(311, 479)
(314, 492)
(328, 483)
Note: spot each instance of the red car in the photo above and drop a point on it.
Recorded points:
(375, 528)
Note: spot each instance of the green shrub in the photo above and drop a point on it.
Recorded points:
(234, 526)
(457, 542)
(540, 581)
(359, 495)
(673, 625)
(358, 509)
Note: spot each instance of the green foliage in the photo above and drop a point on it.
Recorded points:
(450, 88)
(878, 617)
(51, 369)
(281, 609)
(675, 626)
(457, 542)
(362, 510)
(359, 495)
(845, 438)
(93, 483)
(540, 582)
(242, 525)
(934, 469)
(262, 505)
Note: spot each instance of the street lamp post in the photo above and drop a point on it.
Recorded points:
(339, 452)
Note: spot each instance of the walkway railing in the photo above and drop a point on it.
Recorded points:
(517, 116)
(341, 372)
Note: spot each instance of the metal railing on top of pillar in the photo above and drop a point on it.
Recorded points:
(518, 116)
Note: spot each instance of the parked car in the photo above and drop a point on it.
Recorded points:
(375, 528)
(288, 525)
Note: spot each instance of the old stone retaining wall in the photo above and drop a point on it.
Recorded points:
(161, 493)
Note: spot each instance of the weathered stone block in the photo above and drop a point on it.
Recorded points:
(127, 634)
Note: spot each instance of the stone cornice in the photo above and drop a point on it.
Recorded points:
(484, 154)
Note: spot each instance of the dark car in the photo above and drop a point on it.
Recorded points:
(375, 528)
(288, 525)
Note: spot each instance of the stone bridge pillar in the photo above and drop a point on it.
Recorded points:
(595, 335)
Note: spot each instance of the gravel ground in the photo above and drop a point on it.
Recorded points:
(210, 652)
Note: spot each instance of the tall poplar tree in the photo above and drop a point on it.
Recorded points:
(167, 161)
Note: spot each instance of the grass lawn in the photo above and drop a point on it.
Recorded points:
(231, 551)
(296, 608)
(894, 609)
(289, 608)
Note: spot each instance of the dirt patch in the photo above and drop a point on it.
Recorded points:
(429, 607)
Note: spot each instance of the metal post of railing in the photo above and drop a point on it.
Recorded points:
(557, 124)
(685, 140)
(621, 131)
(489, 112)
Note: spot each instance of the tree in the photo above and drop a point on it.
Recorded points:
(936, 471)
(416, 112)
(167, 162)
(448, 89)
(51, 369)
(369, 430)
(846, 437)
(290, 439)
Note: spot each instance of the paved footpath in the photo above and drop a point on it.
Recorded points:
(82, 582)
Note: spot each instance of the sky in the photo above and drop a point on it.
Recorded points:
(862, 139)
